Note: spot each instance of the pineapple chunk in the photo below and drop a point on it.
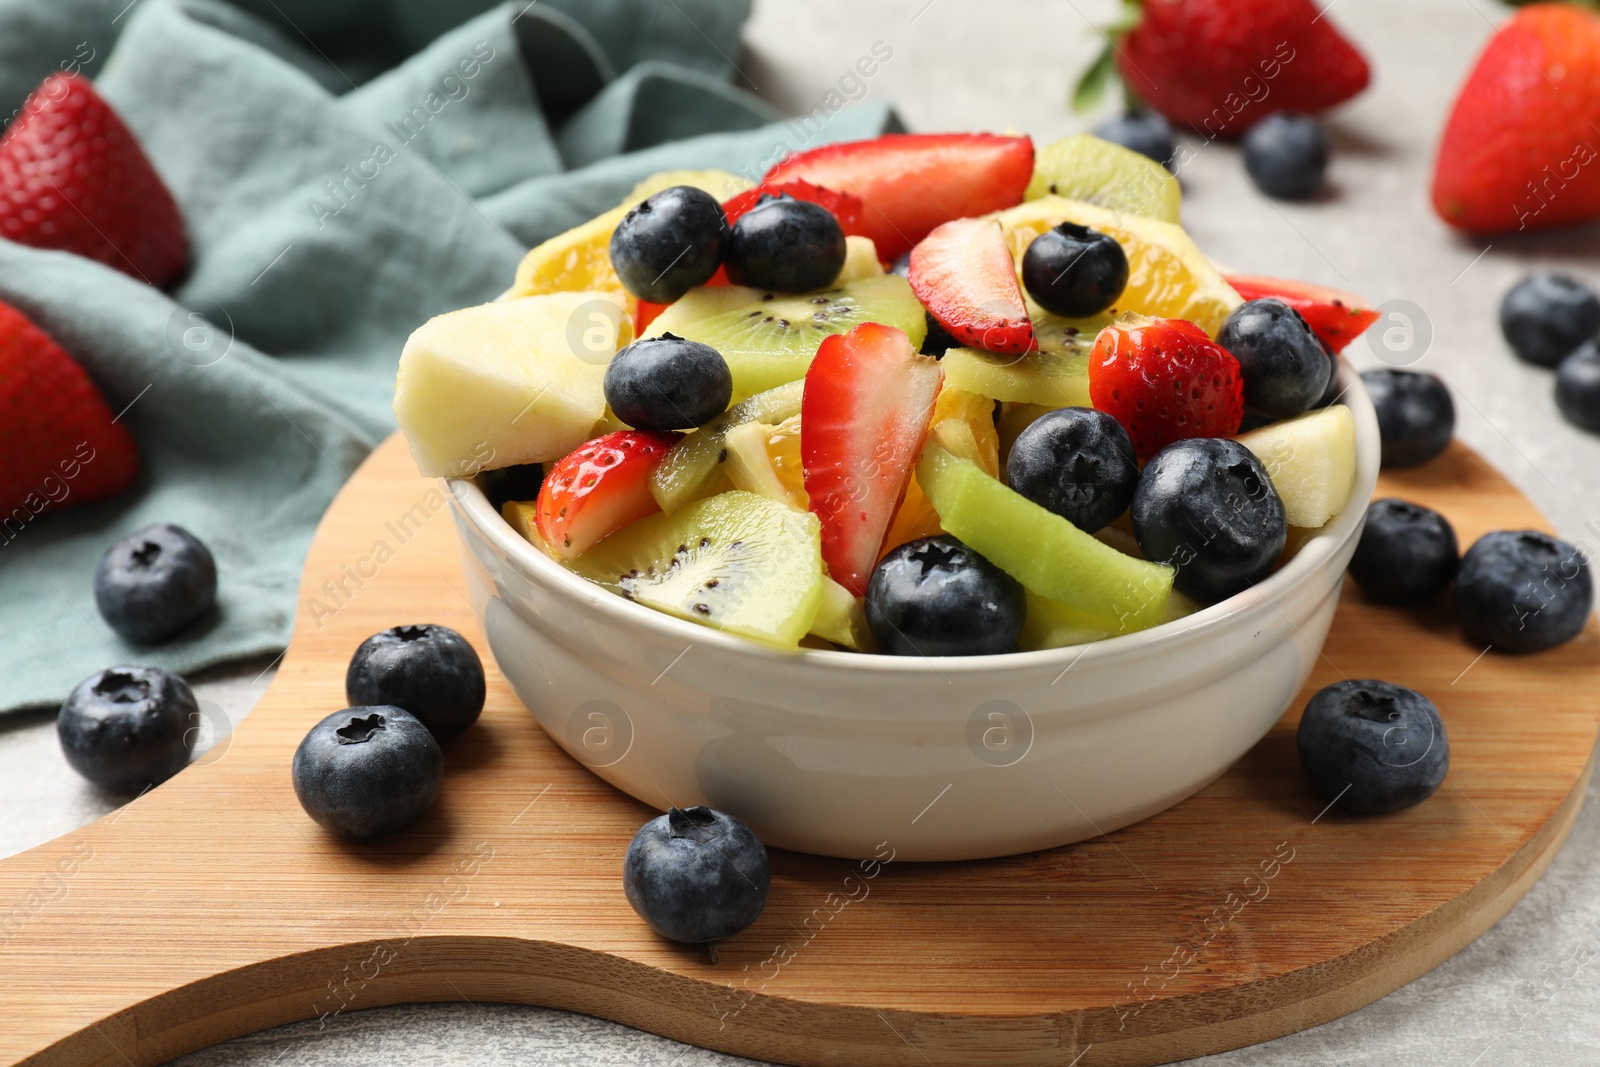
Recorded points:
(842, 618)
(860, 260)
(765, 459)
(498, 384)
(1311, 460)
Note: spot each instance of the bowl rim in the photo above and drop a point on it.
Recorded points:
(1313, 557)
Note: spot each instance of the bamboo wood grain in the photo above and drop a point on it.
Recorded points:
(213, 907)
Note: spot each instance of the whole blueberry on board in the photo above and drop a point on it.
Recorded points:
(1373, 747)
(1407, 553)
(667, 383)
(1284, 365)
(1286, 155)
(1145, 132)
(669, 243)
(1546, 316)
(1074, 271)
(1416, 417)
(1206, 507)
(785, 244)
(1078, 463)
(1523, 591)
(429, 670)
(696, 875)
(155, 583)
(367, 770)
(936, 597)
(127, 729)
(1578, 387)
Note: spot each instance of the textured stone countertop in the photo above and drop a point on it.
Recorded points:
(1522, 994)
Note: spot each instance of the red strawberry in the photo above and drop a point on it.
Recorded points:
(846, 207)
(912, 182)
(1223, 65)
(73, 178)
(1522, 150)
(963, 274)
(1333, 315)
(58, 437)
(867, 401)
(598, 488)
(1165, 380)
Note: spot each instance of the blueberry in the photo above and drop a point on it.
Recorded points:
(1145, 132)
(667, 383)
(1372, 746)
(1286, 155)
(1284, 365)
(1407, 553)
(1546, 316)
(1206, 507)
(669, 244)
(127, 729)
(1416, 416)
(1578, 387)
(366, 770)
(785, 244)
(153, 584)
(518, 482)
(1523, 591)
(1074, 271)
(696, 874)
(1078, 463)
(428, 670)
(936, 597)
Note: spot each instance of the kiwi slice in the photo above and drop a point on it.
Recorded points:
(1055, 376)
(770, 338)
(735, 561)
(842, 619)
(689, 463)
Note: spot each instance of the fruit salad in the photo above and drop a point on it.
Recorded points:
(919, 395)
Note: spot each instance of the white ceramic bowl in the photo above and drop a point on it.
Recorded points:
(943, 758)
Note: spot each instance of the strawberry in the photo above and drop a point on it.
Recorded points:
(913, 182)
(963, 274)
(72, 178)
(863, 416)
(60, 441)
(1521, 149)
(1333, 315)
(598, 488)
(846, 207)
(1165, 380)
(1220, 66)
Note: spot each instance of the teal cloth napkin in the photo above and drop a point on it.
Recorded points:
(332, 208)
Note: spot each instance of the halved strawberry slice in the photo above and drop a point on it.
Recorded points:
(598, 488)
(913, 182)
(963, 274)
(846, 207)
(1333, 315)
(1165, 380)
(863, 416)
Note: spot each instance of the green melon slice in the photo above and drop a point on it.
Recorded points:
(1040, 549)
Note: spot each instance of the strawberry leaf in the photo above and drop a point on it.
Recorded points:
(1092, 86)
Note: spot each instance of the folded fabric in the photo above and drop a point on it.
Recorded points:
(327, 220)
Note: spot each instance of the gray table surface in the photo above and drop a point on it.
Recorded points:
(1524, 993)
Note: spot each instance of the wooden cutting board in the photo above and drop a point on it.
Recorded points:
(213, 907)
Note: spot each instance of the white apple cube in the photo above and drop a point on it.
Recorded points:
(515, 381)
(1311, 460)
